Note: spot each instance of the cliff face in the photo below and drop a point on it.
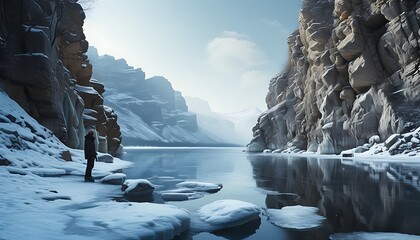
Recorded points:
(44, 68)
(352, 73)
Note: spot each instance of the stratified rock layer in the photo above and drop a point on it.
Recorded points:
(44, 68)
(353, 73)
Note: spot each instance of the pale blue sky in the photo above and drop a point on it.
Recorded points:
(223, 51)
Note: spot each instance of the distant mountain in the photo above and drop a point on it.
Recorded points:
(244, 121)
(149, 111)
(235, 127)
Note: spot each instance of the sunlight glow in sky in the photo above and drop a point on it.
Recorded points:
(222, 51)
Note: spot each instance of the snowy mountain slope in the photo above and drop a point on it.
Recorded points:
(150, 111)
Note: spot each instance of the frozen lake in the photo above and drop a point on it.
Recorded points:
(354, 197)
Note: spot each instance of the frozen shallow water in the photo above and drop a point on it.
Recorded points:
(352, 196)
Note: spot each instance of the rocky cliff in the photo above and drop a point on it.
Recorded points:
(353, 72)
(44, 68)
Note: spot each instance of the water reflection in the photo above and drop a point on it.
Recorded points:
(352, 196)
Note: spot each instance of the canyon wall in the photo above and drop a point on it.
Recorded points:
(44, 68)
(353, 72)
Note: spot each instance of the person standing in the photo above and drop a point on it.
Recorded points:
(90, 155)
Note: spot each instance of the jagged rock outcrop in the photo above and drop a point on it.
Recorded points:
(44, 68)
(352, 73)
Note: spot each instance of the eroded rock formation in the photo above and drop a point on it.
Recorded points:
(44, 68)
(353, 73)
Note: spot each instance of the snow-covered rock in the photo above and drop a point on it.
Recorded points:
(406, 144)
(200, 186)
(267, 151)
(391, 140)
(228, 213)
(106, 158)
(114, 179)
(295, 217)
(137, 187)
(181, 196)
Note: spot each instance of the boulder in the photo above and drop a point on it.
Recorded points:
(65, 155)
(374, 139)
(106, 158)
(137, 188)
(114, 179)
(391, 140)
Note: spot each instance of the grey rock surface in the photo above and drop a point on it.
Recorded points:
(353, 73)
(45, 69)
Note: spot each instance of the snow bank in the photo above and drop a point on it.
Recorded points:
(373, 236)
(35, 207)
(295, 217)
(226, 214)
(133, 220)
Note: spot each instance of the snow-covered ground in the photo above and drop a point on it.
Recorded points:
(43, 196)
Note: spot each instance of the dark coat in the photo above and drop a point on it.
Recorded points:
(90, 152)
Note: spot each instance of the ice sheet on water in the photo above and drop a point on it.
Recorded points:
(373, 236)
(295, 217)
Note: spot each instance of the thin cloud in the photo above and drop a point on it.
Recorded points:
(234, 52)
